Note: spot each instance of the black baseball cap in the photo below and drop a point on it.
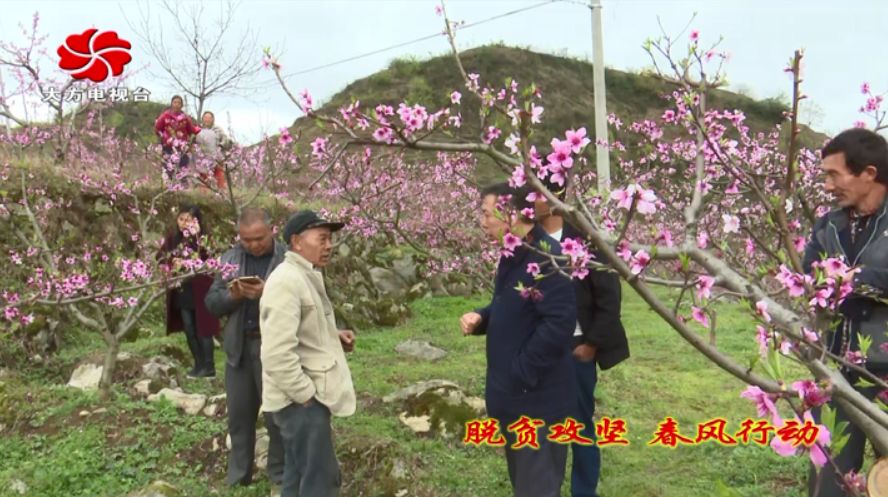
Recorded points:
(305, 220)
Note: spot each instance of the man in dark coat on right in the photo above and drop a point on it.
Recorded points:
(855, 173)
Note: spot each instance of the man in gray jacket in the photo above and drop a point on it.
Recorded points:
(237, 298)
(855, 172)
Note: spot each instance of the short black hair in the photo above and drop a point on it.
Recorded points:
(209, 112)
(862, 148)
(518, 196)
(560, 191)
(179, 97)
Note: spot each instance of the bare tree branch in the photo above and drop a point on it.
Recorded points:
(209, 65)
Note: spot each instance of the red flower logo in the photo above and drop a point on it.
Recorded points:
(94, 55)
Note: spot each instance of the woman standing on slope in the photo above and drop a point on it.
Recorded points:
(176, 130)
(185, 309)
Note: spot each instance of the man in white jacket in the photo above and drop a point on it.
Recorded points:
(305, 375)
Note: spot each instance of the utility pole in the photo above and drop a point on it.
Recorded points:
(602, 157)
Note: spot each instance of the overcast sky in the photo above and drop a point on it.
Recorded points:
(843, 42)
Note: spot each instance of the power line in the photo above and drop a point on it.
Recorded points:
(417, 40)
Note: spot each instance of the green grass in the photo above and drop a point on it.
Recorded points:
(667, 377)
(58, 452)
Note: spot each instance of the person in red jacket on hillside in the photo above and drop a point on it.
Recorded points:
(176, 130)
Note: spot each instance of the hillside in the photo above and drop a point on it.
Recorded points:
(566, 84)
(134, 120)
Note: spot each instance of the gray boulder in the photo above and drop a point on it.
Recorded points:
(405, 267)
(191, 403)
(417, 389)
(159, 368)
(438, 286)
(420, 349)
(86, 377)
(215, 405)
(436, 408)
(261, 449)
(147, 387)
(387, 282)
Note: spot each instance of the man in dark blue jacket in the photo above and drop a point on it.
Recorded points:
(855, 170)
(529, 340)
(599, 341)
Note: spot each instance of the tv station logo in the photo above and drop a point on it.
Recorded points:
(94, 56)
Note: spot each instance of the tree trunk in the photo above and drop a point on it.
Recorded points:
(108, 367)
(200, 107)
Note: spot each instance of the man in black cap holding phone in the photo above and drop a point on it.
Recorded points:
(237, 298)
(305, 374)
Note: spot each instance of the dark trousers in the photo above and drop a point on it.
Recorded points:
(586, 458)
(243, 389)
(201, 347)
(851, 456)
(310, 465)
(189, 322)
(535, 472)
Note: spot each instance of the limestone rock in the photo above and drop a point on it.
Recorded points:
(420, 349)
(476, 403)
(210, 410)
(18, 486)
(86, 377)
(405, 267)
(419, 424)
(191, 403)
(387, 282)
(460, 290)
(262, 441)
(438, 285)
(159, 368)
(175, 353)
(436, 408)
(215, 405)
(147, 387)
(417, 389)
(261, 448)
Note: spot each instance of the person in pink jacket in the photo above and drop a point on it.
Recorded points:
(176, 131)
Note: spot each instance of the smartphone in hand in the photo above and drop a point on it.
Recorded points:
(249, 280)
